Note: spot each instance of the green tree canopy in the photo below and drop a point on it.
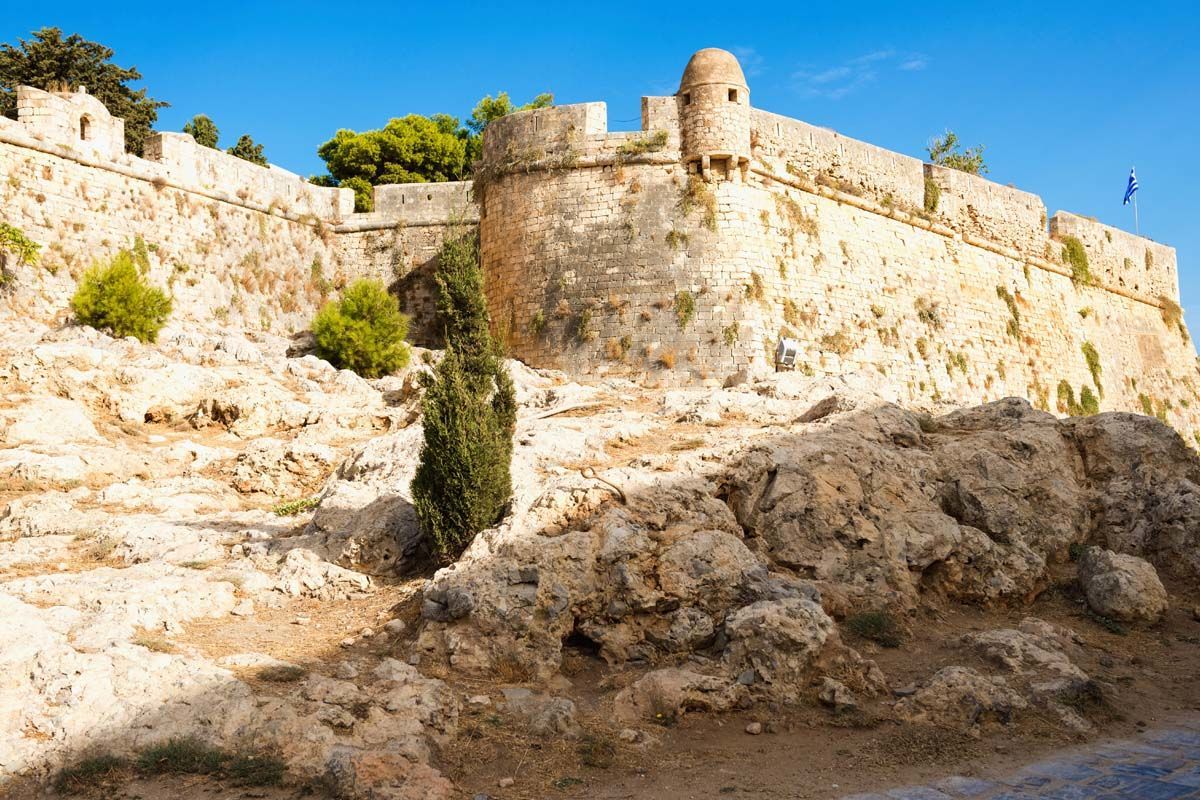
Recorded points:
(490, 109)
(413, 149)
(246, 149)
(51, 62)
(944, 150)
(203, 130)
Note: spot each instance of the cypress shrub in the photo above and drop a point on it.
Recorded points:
(118, 298)
(363, 331)
(463, 482)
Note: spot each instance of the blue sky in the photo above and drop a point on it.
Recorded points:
(1066, 97)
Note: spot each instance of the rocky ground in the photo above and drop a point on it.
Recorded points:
(211, 538)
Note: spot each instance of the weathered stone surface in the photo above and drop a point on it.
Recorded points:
(959, 697)
(1120, 586)
(665, 694)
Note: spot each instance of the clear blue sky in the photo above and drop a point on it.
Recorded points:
(1066, 97)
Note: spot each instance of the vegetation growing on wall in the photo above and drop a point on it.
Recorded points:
(116, 297)
(945, 151)
(463, 482)
(1014, 323)
(14, 242)
(1172, 314)
(363, 331)
(933, 196)
(52, 62)
(1075, 256)
(927, 312)
(643, 144)
(1093, 363)
(1087, 405)
(685, 308)
(698, 195)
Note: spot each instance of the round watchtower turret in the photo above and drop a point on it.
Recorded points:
(714, 113)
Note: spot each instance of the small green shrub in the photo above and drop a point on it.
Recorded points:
(363, 331)
(14, 242)
(537, 322)
(685, 308)
(293, 507)
(933, 196)
(584, 332)
(1075, 256)
(118, 298)
(876, 626)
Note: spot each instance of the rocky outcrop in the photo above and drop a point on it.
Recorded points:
(1122, 587)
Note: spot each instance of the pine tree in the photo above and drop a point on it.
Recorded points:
(203, 130)
(247, 150)
(463, 483)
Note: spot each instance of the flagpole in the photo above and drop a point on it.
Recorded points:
(1136, 227)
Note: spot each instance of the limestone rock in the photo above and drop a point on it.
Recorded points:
(664, 695)
(779, 639)
(542, 715)
(1123, 587)
(284, 469)
(960, 697)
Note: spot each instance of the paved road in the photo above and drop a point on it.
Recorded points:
(1161, 765)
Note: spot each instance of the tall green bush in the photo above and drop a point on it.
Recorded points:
(118, 298)
(363, 331)
(463, 482)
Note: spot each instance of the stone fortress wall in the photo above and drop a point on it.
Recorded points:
(236, 243)
(678, 253)
(684, 251)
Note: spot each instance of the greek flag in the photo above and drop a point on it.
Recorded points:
(1131, 188)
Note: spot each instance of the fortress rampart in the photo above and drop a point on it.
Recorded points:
(683, 252)
(678, 253)
(235, 242)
